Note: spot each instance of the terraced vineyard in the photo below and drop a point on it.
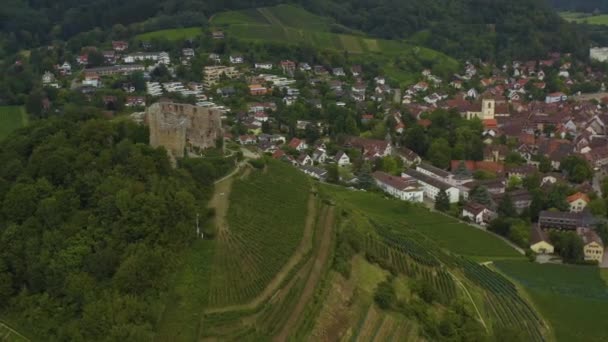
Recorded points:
(265, 223)
(291, 25)
(406, 250)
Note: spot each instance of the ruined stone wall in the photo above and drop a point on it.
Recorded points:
(179, 126)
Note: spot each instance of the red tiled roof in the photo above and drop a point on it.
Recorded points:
(577, 196)
(424, 122)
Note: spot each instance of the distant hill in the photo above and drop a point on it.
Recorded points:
(473, 28)
(291, 25)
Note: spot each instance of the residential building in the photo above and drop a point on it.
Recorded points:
(213, 74)
(370, 148)
(406, 189)
(435, 172)
(257, 90)
(564, 221)
(539, 242)
(593, 247)
(298, 144)
(114, 70)
(556, 97)
(342, 159)
(432, 186)
(478, 213)
(314, 172)
(578, 202)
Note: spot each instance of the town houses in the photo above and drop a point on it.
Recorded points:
(513, 142)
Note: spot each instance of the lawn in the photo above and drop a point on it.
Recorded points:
(11, 118)
(574, 299)
(447, 232)
(172, 34)
(579, 17)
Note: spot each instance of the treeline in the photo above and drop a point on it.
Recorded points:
(91, 222)
(487, 29)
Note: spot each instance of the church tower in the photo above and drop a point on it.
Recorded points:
(488, 108)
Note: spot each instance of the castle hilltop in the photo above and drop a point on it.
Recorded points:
(182, 128)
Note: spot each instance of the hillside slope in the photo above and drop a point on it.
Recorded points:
(293, 26)
(462, 28)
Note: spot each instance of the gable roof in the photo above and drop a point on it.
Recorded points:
(577, 196)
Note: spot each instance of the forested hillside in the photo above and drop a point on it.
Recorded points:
(477, 28)
(91, 219)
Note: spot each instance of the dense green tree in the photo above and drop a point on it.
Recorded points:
(442, 202)
(577, 168)
(440, 153)
(481, 195)
(506, 208)
(569, 246)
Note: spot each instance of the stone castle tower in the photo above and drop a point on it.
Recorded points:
(183, 127)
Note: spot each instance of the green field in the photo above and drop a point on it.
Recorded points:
(286, 24)
(574, 299)
(578, 17)
(172, 34)
(11, 118)
(445, 231)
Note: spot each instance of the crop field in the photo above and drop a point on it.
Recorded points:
(172, 34)
(579, 17)
(266, 219)
(574, 299)
(447, 232)
(11, 118)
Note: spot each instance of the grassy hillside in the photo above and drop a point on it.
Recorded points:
(579, 17)
(573, 299)
(286, 24)
(445, 231)
(11, 118)
(172, 34)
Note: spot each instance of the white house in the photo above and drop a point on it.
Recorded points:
(432, 186)
(406, 189)
(435, 172)
(556, 97)
(319, 155)
(48, 77)
(578, 202)
(342, 159)
(263, 66)
(298, 144)
(314, 172)
(477, 213)
(236, 59)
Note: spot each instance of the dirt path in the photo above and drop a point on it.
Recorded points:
(221, 202)
(303, 248)
(321, 259)
(483, 322)
(8, 331)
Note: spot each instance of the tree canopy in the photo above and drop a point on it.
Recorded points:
(90, 215)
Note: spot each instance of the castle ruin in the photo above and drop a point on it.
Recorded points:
(182, 128)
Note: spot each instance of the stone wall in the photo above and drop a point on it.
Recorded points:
(179, 127)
